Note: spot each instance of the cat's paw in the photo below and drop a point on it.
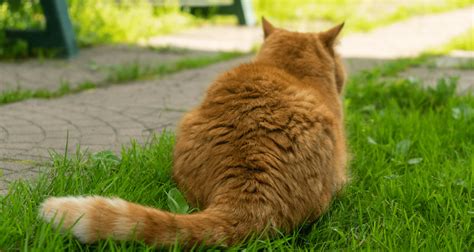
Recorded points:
(340, 186)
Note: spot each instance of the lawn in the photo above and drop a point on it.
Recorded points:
(412, 178)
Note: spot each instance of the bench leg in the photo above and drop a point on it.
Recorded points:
(58, 34)
(59, 27)
(244, 11)
(241, 8)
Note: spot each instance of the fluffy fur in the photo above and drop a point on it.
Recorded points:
(265, 151)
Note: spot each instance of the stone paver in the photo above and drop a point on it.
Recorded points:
(444, 67)
(104, 119)
(91, 65)
(212, 38)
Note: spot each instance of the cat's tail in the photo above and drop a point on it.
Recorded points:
(93, 218)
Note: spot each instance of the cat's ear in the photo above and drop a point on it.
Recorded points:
(267, 28)
(329, 37)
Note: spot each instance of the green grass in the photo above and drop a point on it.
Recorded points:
(104, 21)
(117, 75)
(16, 95)
(135, 71)
(411, 189)
(360, 15)
(463, 42)
(392, 68)
(466, 65)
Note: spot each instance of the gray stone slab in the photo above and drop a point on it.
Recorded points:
(430, 77)
(91, 65)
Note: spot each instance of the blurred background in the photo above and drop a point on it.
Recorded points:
(134, 21)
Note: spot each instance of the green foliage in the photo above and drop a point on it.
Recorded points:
(411, 189)
(176, 202)
(95, 22)
(21, 15)
(106, 21)
(12, 49)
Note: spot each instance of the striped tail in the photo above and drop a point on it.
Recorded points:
(94, 218)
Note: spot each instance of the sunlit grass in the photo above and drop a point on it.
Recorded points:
(411, 189)
(464, 42)
(105, 21)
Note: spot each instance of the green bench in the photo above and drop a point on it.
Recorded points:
(59, 33)
(241, 8)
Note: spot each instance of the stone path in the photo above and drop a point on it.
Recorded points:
(104, 119)
(91, 65)
(410, 37)
(446, 66)
(99, 119)
(213, 38)
(362, 50)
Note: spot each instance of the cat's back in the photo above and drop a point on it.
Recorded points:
(254, 87)
(256, 120)
(255, 103)
(253, 96)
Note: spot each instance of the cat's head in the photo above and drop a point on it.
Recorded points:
(304, 54)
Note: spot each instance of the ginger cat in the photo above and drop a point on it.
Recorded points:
(265, 151)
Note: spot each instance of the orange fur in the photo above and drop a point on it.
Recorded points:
(264, 151)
